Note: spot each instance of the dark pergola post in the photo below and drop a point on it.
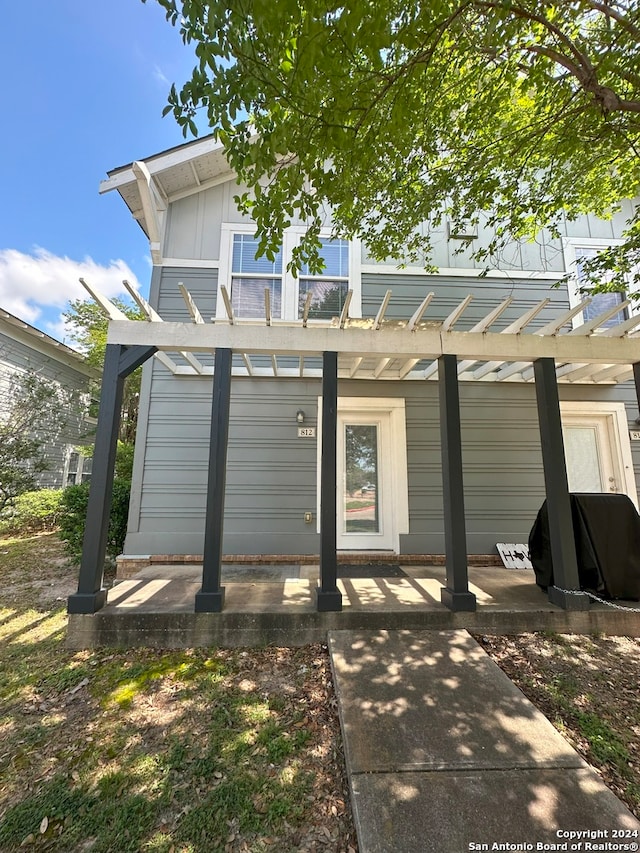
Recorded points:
(119, 362)
(328, 596)
(210, 599)
(563, 546)
(455, 595)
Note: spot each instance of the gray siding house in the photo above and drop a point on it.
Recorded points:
(23, 349)
(388, 463)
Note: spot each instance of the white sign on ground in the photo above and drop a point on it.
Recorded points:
(514, 556)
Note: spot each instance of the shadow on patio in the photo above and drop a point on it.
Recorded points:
(156, 607)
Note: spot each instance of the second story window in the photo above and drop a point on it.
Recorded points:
(329, 288)
(246, 277)
(600, 302)
(250, 277)
(576, 251)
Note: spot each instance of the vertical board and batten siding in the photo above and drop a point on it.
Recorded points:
(544, 254)
(18, 357)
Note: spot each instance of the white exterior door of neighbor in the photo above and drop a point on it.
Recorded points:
(371, 475)
(597, 448)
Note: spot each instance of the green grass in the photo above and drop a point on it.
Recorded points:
(145, 750)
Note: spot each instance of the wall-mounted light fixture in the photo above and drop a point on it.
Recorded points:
(300, 416)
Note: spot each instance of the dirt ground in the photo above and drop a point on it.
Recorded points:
(587, 686)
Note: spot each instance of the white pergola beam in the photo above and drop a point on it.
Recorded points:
(554, 326)
(355, 342)
(450, 321)
(154, 317)
(482, 326)
(112, 311)
(513, 329)
(247, 363)
(622, 329)
(381, 366)
(407, 367)
(196, 316)
(344, 315)
(611, 373)
(355, 366)
(382, 310)
(591, 325)
(417, 315)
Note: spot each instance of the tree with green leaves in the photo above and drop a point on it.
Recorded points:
(396, 114)
(88, 328)
(35, 412)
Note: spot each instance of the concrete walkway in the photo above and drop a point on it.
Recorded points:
(446, 755)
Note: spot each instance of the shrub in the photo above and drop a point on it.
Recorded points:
(73, 516)
(124, 460)
(33, 511)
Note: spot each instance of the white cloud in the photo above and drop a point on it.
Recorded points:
(158, 74)
(31, 285)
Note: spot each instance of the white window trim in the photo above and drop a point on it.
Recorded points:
(395, 407)
(291, 238)
(619, 436)
(70, 450)
(569, 247)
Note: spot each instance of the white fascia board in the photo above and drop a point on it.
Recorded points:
(427, 343)
(16, 329)
(161, 162)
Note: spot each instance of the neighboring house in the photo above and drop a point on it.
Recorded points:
(390, 492)
(24, 348)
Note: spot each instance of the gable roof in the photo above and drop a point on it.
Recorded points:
(16, 329)
(170, 175)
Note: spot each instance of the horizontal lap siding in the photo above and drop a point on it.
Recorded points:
(408, 291)
(271, 473)
(18, 357)
(271, 478)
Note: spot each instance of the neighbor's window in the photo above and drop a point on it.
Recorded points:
(250, 277)
(329, 288)
(600, 302)
(78, 469)
(576, 251)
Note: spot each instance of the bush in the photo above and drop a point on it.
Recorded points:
(124, 460)
(73, 514)
(33, 511)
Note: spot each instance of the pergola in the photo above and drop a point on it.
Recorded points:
(416, 349)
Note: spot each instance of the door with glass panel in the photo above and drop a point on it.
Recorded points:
(597, 452)
(365, 512)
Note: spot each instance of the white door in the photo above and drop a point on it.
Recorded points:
(365, 517)
(597, 449)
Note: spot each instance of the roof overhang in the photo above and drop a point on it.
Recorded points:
(28, 335)
(170, 175)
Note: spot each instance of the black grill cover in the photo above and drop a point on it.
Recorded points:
(607, 535)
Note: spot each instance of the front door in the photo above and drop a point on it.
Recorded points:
(365, 482)
(597, 449)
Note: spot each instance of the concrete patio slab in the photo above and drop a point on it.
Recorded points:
(156, 608)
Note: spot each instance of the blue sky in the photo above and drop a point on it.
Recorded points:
(84, 83)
